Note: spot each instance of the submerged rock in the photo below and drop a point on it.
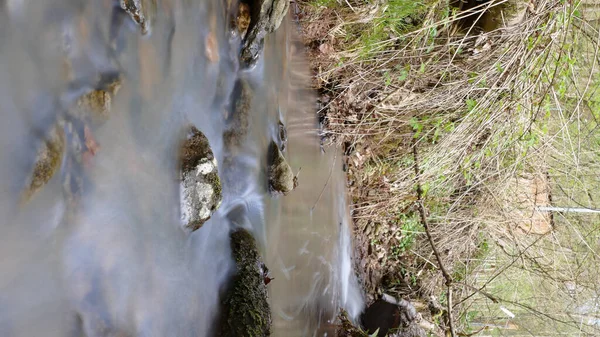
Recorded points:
(266, 16)
(47, 162)
(246, 311)
(281, 177)
(80, 122)
(238, 122)
(200, 190)
(392, 319)
(95, 106)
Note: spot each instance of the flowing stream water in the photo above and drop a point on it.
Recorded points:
(117, 262)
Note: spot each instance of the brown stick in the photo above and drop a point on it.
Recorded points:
(425, 224)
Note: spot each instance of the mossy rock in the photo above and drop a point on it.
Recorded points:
(281, 176)
(47, 162)
(246, 311)
(201, 192)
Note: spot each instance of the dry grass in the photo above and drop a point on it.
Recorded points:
(493, 113)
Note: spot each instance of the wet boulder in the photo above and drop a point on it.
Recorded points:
(265, 17)
(200, 189)
(281, 176)
(246, 311)
(141, 11)
(47, 162)
(392, 318)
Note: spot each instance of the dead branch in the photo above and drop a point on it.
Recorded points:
(425, 224)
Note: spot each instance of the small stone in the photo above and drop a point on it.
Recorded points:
(47, 162)
(282, 136)
(200, 190)
(281, 177)
(139, 11)
(326, 49)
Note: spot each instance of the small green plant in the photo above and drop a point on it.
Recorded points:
(416, 125)
(397, 17)
(471, 104)
(410, 228)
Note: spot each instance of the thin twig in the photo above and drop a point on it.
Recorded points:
(423, 215)
(326, 182)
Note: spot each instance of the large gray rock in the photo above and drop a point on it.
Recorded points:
(266, 16)
(200, 190)
(281, 176)
(246, 311)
